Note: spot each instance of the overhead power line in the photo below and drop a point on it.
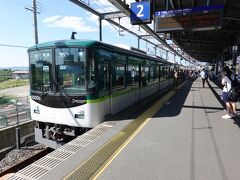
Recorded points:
(15, 3)
(15, 46)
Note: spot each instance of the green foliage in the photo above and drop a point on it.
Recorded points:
(6, 72)
(13, 83)
(5, 78)
(3, 120)
(4, 100)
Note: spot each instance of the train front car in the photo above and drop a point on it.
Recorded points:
(77, 84)
(62, 78)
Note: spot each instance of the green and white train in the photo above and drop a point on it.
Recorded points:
(77, 84)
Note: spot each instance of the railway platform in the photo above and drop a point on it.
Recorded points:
(180, 136)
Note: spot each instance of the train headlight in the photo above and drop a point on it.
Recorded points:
(80, 115)
(36, 110)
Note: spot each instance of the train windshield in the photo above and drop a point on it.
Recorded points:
(41, 70)
(70, 70)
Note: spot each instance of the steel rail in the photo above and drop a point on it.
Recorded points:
(25, 162)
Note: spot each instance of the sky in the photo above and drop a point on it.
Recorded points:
(56, 20)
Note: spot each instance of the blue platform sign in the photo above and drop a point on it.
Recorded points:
(140, 12)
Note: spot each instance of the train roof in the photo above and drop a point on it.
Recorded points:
(89, 44)
(60, 43)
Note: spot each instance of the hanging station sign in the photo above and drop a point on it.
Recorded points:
(190, 19)
(141, 12)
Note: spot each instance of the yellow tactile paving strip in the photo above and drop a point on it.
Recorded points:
(99, 161)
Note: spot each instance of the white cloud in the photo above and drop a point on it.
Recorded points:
(95, 19)
(69, 22)
(51, 19)
(92, 17)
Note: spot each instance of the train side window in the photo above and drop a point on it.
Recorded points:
(145, 74)
(152, 73)
(165, 72)
(156, 73)
(162, 71)
(103, 76)
(119, 76)
(92, 85)
(133, 75)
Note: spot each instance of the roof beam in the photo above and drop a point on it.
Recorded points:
(231, 30)
(172, 4)
(202, 51)
(86, 7)
(198, 41)
(200, 44)
(232, 18)
(113, 15)
(232, 14)
(179, 4)
(125, 9)
(193, 3)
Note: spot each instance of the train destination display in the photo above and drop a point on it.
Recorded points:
(191, 19)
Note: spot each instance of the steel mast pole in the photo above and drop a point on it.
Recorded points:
(35, 21)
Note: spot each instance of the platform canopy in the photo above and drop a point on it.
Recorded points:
(208, 45)
(204, 45)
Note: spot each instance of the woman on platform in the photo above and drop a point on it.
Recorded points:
(227, 85)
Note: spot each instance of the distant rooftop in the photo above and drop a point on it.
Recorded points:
(20, 72)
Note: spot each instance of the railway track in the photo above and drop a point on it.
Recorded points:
(25, 161)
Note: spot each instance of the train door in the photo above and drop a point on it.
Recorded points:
(132, 81)
(105, 85)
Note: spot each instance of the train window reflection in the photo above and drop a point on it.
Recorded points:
(119, 76)
(133, 75)
(41, 70)
(70, 70)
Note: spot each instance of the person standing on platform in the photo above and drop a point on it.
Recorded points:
(234, 81)
(203, 76)
(231, 106)
(176, 77)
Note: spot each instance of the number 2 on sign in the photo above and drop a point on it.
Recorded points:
(139, 14)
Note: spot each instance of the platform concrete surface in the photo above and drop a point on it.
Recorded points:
(185, 140)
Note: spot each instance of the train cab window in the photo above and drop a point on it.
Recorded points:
(41, 70)
(70, 70)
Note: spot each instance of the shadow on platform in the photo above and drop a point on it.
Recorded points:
(176, 103)
(173, 106)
